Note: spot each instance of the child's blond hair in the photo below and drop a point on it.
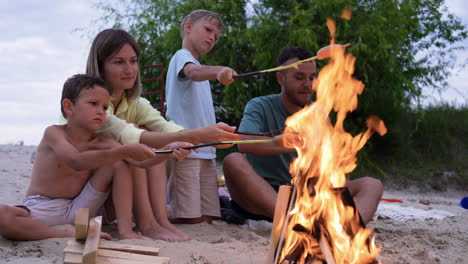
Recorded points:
(201, 14)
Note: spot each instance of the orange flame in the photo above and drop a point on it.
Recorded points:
(326, 153)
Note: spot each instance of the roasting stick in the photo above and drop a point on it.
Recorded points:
(168, 151)
(279, 68)
(323, 53)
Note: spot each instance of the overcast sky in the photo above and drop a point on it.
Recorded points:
(40, 49)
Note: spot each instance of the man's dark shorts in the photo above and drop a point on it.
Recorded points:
(232, 213)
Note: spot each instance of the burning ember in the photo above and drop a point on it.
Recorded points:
(323, 224)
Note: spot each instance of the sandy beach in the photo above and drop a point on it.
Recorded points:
(408, 232)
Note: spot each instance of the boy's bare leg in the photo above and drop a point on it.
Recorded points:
(157, 186)
(145, 219)
(123, 200)
(118, 174)
(15, 224)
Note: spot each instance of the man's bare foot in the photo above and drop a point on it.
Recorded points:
(167, 225)
(160, 233)
(130, 235)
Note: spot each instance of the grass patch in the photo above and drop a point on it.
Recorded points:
(429, 147)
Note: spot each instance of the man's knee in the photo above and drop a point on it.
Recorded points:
(373, 185)
(232, 161)
(366, 186)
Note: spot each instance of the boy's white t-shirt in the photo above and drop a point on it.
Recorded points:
(189, 103)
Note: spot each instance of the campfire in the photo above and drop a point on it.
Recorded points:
(322, 224)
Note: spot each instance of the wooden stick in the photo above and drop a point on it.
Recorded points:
(92, 241)
(281, 207)
(168, 151)
(323, 53)
(81, 223)
(279, 68)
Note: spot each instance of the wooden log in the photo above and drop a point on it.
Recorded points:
(92, 240)
(281, 207)
(81, 223)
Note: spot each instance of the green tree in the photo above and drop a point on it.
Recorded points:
(403, 46)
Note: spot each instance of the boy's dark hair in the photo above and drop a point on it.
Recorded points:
(77, 83)
(293, 52)
(200, 14)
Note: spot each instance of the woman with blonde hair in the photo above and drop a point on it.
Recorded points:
(114, 57)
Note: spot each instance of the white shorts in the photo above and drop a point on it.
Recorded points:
(62, 211)
(193, 188)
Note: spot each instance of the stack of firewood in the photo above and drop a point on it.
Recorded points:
(88, 248)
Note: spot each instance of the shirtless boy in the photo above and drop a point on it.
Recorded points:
(76, 169)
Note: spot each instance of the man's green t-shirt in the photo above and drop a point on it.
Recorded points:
(262, 115)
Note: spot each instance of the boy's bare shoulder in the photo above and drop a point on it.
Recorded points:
(54, 128)
(53, 133)
(50, 134)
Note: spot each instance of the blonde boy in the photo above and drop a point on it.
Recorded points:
(75, 169)
(193, 186)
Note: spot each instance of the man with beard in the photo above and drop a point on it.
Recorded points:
(253, 176)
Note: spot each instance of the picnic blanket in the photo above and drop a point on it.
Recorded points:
(404, 213)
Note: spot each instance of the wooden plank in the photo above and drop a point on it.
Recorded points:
(108, 260)
(152, 251)
(279, 247)
(92, 240)
(77, 248)
(133, 256)
(105, 244)
(281, 207)
(74, 247)
(72, 258)
(81, 223)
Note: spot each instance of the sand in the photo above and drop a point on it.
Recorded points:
(413, 241)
